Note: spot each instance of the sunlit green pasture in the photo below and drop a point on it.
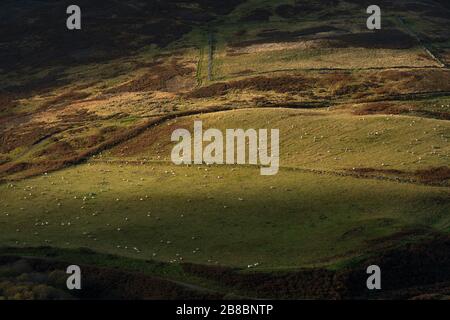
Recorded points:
(224, 215)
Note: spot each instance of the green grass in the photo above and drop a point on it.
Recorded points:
(89, 257)
(297, 59)
(320, 56)
(318, 139)
(289, 220)
(231, 215)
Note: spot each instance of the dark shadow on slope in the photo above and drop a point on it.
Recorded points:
(416, 269)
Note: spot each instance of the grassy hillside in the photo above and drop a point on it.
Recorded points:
(327, 139)
(208, 214)
(86, 119)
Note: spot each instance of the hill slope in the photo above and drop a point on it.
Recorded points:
(86, 119)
